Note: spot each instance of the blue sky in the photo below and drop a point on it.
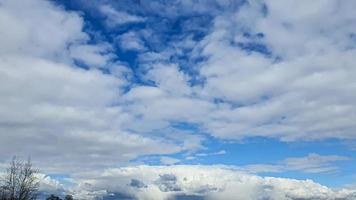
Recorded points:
(261, 88)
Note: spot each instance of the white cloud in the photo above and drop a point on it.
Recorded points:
(209, 182)
(313, 163)
(115, 17)
(170, 79)
(221, 152)
(50, 185)
(66, 118)
(165, 160)
(305, 95)
(131, 41)
(92, 55)
(303, 90)
(171, 100)
(37, 28)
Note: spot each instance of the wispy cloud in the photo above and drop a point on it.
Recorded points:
(221, 152)
(165, 160)
(313, 163)
(115, 17)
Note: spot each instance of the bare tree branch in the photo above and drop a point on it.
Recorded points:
(20, 182)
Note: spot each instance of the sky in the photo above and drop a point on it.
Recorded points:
(181, 99)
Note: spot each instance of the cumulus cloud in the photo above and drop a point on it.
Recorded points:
(131, 41)
(49, 185)
(203, 182)
(37, 28)
(289, 78)
(50, 108)
(265, 73)
(299, 87)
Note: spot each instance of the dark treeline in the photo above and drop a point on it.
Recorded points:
(54, 197)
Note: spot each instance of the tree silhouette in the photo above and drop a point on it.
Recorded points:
(20, 182)
(53, 197)
(68, 197)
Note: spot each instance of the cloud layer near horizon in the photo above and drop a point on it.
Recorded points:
(197, 182)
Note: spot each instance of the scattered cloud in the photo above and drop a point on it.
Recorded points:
(131, 41)
(115, 17)
(262, 76)
(53, 110)
(92, 55)
(221, 152)
(283, 77)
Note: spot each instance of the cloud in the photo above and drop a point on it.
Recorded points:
(168, 183)
(52, 107)
(168, 160)
(170, 79)
(312, 163)
(204, 182)
(221, 152)
(115, 17)
(131, 41)
(289, 78)
(30, 33)
(49, 185)
(192, 156)
(55, 111)
(137, 183)
(299, 88)
(92, 55)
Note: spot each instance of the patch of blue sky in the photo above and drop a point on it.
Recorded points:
(333, 180)
(147, 160)
(185, 126)
(260, 150)
(63, 178)
(254, 47)
(257, 150)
